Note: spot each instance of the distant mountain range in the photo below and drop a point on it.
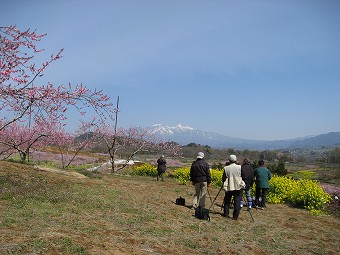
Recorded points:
(185, 135)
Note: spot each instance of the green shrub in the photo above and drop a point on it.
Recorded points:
(306, 194)
(280, 189)
(302, 175)
(310, 195)
(279, 169)
(216, 177)
(182, 175)
(145, 170)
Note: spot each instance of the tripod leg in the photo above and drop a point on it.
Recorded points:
(212, 204)
(222, 206)
(216, 197)
(251, 215)
(244, 198)
(246, 203)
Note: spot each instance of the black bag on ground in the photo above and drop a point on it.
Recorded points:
(202, 213)
(180, 201)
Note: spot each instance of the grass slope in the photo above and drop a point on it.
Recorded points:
(54, 212)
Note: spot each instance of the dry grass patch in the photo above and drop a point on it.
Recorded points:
(44, 212)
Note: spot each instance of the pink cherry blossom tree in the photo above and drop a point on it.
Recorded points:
(127, 142)
(70, 144)
(26, 110)
(46, 105)
(20, 139)
(22, 100)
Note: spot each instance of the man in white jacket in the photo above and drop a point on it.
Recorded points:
(233, 185)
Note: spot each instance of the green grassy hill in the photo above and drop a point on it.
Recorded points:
(61, 212)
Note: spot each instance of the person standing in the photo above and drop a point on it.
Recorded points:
(262, 177)
(247, 173)
(233, 185)
(161, 168)
(200, 178)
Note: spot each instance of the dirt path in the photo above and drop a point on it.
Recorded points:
(63, 172)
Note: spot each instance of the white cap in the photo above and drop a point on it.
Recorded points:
(200, 155)
(232, 158)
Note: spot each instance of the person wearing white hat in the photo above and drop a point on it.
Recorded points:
(200, 178)
(233, 185)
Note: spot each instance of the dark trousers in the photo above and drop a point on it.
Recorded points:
(237, 196)
(261, 192)
(160, 176)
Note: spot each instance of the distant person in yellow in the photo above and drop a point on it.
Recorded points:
(200, 178)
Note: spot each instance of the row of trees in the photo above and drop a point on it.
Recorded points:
(324, 155)
(221, 155)
(332, 156)
(33, 116)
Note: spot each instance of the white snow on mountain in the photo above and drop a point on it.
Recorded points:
(163, 129)
(184, 135)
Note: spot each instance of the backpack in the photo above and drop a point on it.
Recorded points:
(202, 213)
(180, 201)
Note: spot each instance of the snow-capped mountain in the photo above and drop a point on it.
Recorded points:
(184, 135)
(161, 129)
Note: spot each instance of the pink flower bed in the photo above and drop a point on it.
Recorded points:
(331, 189)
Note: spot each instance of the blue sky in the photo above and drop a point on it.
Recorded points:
(257, 69)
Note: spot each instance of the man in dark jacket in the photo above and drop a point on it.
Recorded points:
(200, 178)
(161, 168)
(247, 173)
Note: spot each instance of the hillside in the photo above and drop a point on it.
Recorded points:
(48, 211)
(327, 140)
(185, 135)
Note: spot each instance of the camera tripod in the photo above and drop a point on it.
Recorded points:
(244, 200)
